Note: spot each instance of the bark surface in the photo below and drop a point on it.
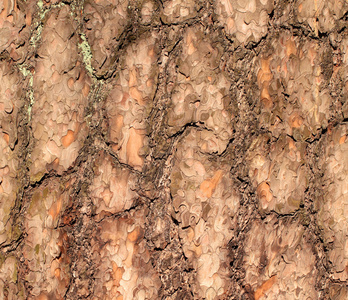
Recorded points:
(173, 149)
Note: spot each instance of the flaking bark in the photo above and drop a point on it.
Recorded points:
(173, 149)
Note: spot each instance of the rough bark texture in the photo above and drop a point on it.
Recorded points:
(178, 149)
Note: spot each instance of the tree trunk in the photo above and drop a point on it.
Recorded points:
(178, 149)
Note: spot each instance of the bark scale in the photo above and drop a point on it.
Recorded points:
(173, 149)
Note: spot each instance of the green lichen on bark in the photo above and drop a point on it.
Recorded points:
(86, 54)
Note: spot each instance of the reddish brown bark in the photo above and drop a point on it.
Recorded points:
(173, 149)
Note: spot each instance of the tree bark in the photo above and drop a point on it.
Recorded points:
(170, 149)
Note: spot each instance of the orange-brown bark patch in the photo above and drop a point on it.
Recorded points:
(42, 296)
(55, 209)
(6, 138)
(134, 144)
(117, 274)
(136, 94)
(265, 287)
(208, 186)
(264, 192)
(290, 47)
(68, 139)
(57, 273)
(342, 139)
(135, 235)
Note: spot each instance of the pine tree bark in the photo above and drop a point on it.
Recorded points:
(170, 149)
